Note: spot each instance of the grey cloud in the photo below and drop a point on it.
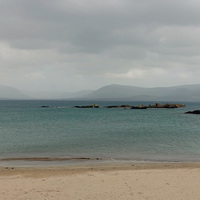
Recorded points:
(89, 28)
(95, 38)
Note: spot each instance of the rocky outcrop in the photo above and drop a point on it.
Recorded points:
(44, 106)
(127, 106)
(88, 106)
(139, 107)
(157, 105)
(95, 106)
(119, 106)
(193, 112)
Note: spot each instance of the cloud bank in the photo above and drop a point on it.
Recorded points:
(70, 45)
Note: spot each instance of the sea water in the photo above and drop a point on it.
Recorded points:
(61, 131)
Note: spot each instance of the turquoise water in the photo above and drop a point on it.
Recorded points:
(27, 130)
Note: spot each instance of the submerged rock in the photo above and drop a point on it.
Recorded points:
(119, 106)
(139, 107)
(125, 106)
(193, 112)
(88, 106)
(44, 106)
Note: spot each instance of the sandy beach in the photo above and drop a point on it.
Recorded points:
(175, 181)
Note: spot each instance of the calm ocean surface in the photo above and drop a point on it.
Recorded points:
(61, 131)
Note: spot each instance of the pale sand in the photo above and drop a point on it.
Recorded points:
(120, 182)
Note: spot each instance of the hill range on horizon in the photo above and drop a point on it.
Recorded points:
(134, 93)
(7, 92)
(112, 92)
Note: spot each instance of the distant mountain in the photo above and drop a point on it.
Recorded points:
(112, 92)
(121, 92)
(7, 92)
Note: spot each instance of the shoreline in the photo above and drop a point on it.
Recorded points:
(101, 167)
(65, 162)
(73, 161)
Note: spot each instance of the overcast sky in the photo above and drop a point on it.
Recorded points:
(68, 45)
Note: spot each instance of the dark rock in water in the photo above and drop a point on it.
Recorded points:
(157, 105)
(193, 112)
(88, 106)
(119, 106)
(139, 107)
(125, 106)
(113, 106)
(44, 106)
(96, 106)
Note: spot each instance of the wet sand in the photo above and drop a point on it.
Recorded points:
(150, 181)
